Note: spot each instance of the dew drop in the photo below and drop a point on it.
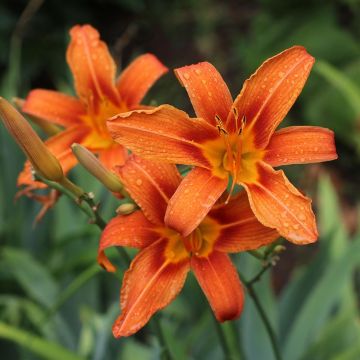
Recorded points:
(138, 182)
(186, 76)
(302, 217)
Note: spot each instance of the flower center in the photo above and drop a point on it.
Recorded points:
(100, 137)
(233, 144)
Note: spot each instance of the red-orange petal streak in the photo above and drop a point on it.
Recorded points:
(150, 184)
(133, 230)
(207, 90)
(113, 156)
(149, 285)
(165, 134)
(92, 66)
(239, 228)
(278, 204)
(220, 282)
(268, 95)
(193, 199)
(299, 145)
(54, 107)
(137, 78)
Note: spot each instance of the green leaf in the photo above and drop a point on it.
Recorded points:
(45, 349)
(345, 85)
(339, 333)
(320, 302)
(31, 275)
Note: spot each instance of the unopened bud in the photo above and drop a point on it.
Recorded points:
(48, 128)
(279, 249)
(43, 161)
(126, 209)
(92, 164)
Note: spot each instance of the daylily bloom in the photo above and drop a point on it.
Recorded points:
(99, 97)
(234, 141)
(158, 272)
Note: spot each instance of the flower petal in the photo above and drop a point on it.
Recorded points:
(268, 95)
(60, 146)
(113, 156)
(207, 90)
(164, 133)
(301, 144)
(54, 107)
(193, 199)
(150, 184)
(279, 205)
(220, 282)
(133, 230)
(239, 229)
(136, 80)
(92, 66)
(150, 284)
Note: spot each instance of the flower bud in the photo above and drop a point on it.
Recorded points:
(126, 209)
(47, 127)
(43, 161)
(91, 163)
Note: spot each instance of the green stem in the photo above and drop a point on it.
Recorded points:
(228, 338)
(165, 352)
(85, 203)
(73, 287)
(258, 276)
(256, 254)
(264, 318)
(82, 205)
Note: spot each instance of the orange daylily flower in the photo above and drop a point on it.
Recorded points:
(158, 272)
(234, 140)
(99, 96)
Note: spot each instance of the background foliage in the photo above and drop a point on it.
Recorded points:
(56, 303)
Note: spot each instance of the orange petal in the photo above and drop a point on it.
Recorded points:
(150, 184)
(268, 95)
(193, 199)
(54, 107)
(150, 284)
(136, 80)
(279, 205)
(60, 146)
(164, 133)
(239, 229)
(132, 230)
(114, 156)
(301, 144)
(207, 90)
(92, 66)
(220, 282)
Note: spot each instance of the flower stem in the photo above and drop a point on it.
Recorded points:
(229, 340)
(165, 352)
(85, 203)
(272, 336)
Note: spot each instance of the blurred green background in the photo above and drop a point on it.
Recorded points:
(56, 303)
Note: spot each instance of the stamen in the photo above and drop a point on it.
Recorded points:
(236, 116)
(243, 123)
(237, 162)
(224, 134)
